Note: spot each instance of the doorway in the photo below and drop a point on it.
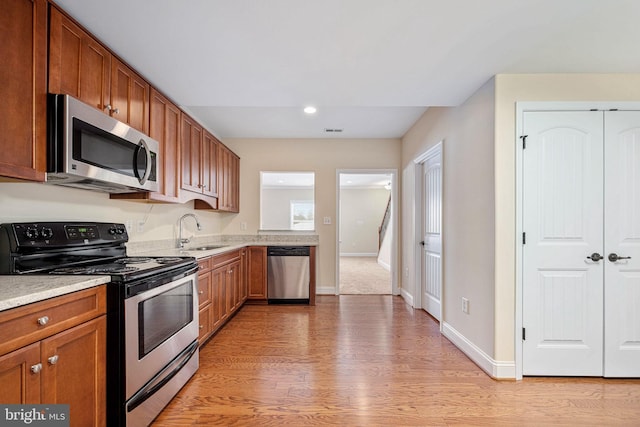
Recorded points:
(366, 232)
(580, 250)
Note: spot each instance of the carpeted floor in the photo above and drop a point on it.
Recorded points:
(363, 275)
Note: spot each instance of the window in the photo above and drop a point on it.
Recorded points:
(287, 201)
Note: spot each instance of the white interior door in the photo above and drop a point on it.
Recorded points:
(432, 227)
(622, 238)
(563, 224)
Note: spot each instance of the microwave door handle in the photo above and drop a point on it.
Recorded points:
(147, 171)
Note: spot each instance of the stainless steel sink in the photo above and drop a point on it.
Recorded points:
(206, 248)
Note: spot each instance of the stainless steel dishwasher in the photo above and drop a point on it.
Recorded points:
(288, 274)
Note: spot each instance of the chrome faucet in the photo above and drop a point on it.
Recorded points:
(182, 241)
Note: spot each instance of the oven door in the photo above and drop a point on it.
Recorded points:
(160, 324)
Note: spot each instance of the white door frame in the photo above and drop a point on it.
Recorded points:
(394, 223)
(419, 224)
(521, 108)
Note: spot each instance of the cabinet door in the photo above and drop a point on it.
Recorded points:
(73, 371)
(218, 297)
(78, 65)
(204, 316)
(164, 126)
(209, 164)
(234, 276)
(23, 31)
(19, 384)
(204, 289)
(191, 151)
(228, 180)
(129, 97)
(257, 273)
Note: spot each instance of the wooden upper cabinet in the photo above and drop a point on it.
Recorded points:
(191, 152)
(228, 180)
(129, 97)
(83, 68)
(23, 88)
(209, 164)
(78, 65)
(164, 126)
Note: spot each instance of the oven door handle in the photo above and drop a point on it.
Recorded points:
(163, 377)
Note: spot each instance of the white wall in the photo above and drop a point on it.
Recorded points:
(468, 214)
(276, 206)
(40, 202)
(361, 213)
(322, 156)
(532, 87)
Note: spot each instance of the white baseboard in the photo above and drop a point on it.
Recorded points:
(495, 369)
(384, 265)
(326, 290)
(408, 298)
(362, 254)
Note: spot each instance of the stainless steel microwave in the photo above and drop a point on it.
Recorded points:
(91, 150)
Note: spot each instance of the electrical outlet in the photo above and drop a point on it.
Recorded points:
(465, 305)
(140, 228)
(129, 225)
(243, 225)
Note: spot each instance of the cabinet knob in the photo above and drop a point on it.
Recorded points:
(43, 320)
(36, 368)
(111, 110)
(200, 292)
(53, 359)
(201, 326)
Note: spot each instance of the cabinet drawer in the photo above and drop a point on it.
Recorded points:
(30, 323)
(225, 258)
(204, 265)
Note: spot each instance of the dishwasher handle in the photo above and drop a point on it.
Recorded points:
(288, 251)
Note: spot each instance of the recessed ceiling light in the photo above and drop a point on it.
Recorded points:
(310, 110)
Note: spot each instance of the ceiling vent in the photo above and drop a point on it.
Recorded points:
(330, 130)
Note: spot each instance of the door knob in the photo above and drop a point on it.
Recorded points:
(613, 257)
(596, 257)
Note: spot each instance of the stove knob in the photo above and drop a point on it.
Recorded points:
(112, 231)
(120, 230)
(31, 233)
(46, 233)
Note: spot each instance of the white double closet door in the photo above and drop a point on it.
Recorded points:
(581, 258)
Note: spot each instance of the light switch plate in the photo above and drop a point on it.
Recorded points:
(327, 220)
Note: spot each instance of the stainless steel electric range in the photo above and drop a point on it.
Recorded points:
(152, 307)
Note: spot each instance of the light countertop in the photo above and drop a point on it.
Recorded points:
(17, 290)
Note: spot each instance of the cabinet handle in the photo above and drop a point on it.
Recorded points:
(36, 368)
(111, 110)
(53, 359)
(43, 320)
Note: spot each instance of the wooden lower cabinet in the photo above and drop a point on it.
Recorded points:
(67, 367)
(223, 290)
(257, 274)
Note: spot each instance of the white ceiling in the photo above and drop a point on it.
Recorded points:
(245, 68)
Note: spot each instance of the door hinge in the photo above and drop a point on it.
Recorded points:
(524, 334)
(524, 238)
(524, 141)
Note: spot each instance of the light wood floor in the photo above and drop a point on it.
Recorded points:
(361, 360)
